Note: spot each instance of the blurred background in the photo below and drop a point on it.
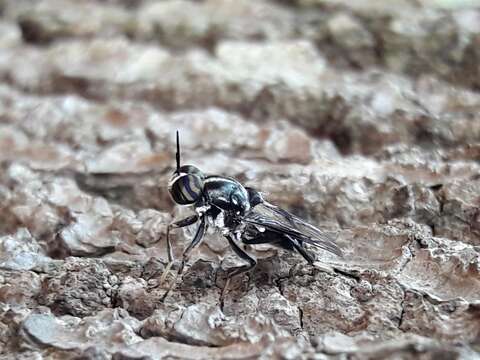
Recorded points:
(327, 106)
(362, 117)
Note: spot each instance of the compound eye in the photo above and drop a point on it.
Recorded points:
(185, 189)
(190, 169)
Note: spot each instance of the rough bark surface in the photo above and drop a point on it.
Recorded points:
(363, 117)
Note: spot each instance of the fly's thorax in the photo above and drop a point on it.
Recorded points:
(227, 194)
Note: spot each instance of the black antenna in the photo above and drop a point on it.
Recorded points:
(178, 154)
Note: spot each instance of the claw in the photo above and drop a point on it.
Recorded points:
(169, 289)
(166, 272)
(174, 280)
(224, 292)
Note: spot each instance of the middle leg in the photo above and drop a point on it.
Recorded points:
(238, 270)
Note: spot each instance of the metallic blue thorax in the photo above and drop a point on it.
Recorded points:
(226, 194)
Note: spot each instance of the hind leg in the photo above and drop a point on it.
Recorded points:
(300, 249)
(298, 246)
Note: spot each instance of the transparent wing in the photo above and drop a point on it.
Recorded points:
(279, 220)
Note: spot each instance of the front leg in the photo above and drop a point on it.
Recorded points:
(175, 225)
(186, 254)
(179, 224)
(238, 270)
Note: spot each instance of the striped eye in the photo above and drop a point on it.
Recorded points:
(185, 189)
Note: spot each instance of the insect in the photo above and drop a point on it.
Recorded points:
(241, 215)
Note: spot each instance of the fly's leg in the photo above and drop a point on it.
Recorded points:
(195, 242)
(301, 250)
(239, 270)
(298, 246)
(186, 254)
(310, 259)
(175, 225)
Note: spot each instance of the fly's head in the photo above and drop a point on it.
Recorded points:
(186, 184)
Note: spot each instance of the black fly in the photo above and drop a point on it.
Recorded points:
(241, 215)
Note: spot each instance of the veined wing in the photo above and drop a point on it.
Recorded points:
(279, 220)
